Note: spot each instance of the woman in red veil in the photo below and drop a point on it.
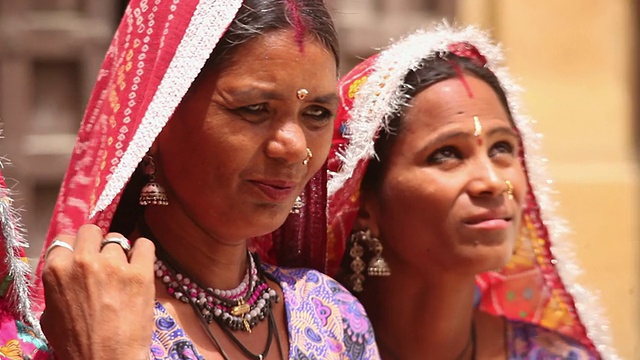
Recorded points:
(439, 201)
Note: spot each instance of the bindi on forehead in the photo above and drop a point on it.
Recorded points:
(477, 126)
(302, 93)
(477, 129)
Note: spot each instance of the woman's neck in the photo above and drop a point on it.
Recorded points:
(211, 262)
(417, 316)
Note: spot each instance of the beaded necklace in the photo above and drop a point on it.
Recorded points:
(241, 308)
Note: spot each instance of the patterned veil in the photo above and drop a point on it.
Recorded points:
(538, 284)
(156, 53)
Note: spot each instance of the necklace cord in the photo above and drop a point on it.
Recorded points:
(470, 343)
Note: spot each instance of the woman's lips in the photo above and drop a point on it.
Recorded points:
(489, 221)
(275, 190)
(489, 224)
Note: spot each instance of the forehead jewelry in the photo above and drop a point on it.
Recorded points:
(477, 128)
(308, 157)
(509, 189)
(302, 93)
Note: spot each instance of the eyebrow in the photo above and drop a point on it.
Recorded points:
(252, 92)
(506, 130)
(330, 99)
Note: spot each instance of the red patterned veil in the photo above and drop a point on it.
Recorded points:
(538, 284)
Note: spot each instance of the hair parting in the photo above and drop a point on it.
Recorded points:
(297, 23)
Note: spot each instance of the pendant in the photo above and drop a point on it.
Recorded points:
(240, 309)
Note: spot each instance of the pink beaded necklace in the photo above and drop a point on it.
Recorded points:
(240, 308)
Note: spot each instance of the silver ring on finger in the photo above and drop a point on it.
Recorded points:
(57, 243)
(122, 241)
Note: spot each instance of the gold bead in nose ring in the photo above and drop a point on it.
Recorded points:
(509, 189)
(308, 157)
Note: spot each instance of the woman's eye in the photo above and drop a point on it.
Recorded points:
(502, 147)
(444, 154)
(319, 114)
(253, 108)
(255, 113)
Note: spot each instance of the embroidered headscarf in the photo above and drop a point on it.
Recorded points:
(157, 51)
(538, 284)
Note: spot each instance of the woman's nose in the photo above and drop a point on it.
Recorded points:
(486, 180)
(288, 143)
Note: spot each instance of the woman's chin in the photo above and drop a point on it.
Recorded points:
(495, 260)
(268, 223)
(479, 259)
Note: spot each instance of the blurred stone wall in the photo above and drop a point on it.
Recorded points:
(50, 53)
(577, 60)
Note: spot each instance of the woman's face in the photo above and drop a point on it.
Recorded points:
(443, 203)
(232, 155)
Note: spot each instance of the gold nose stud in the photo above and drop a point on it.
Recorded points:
(308, 157)
(509, 189)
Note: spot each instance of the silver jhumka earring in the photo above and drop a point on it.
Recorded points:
(152, 193)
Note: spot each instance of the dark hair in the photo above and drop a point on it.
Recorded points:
(257, 17)
(430, 72)
(254, 18)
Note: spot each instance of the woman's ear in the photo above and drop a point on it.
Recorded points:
(368, 214)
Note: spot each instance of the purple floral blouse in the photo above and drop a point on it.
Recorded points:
(531, 342)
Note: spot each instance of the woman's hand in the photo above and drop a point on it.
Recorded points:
(99, 299)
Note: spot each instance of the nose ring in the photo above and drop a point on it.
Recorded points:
(308, 157)
(509, 189)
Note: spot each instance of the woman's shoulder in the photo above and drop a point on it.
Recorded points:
(530, 341)
(309, 282)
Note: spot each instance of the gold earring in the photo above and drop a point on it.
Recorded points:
(308, 157)
(378, 265)
(297, 205)
(357, 265)
(509, 189)
(302, 93)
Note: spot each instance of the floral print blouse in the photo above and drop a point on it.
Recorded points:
(324, 321)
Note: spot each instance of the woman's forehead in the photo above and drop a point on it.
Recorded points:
(274, 61)
(450, 99)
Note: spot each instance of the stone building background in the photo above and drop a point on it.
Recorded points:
(576, 59)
